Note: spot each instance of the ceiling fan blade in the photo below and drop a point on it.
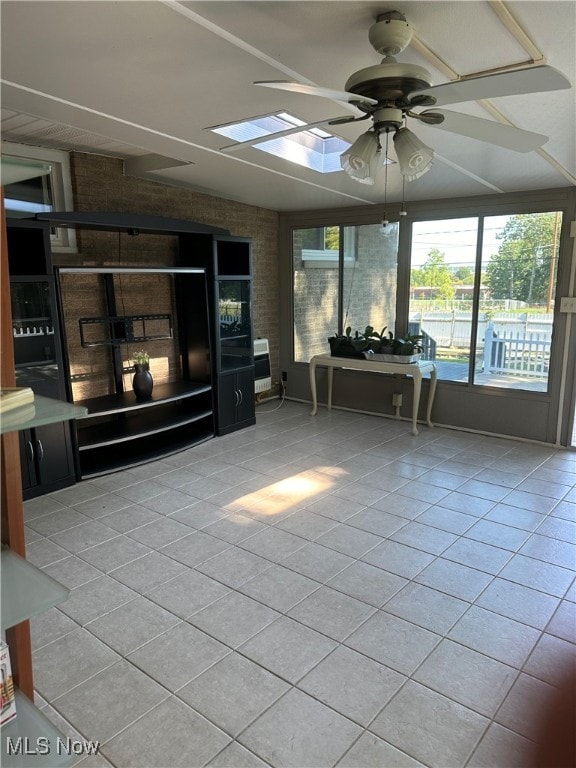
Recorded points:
(490, 131)
(287, 132)
(531, 80)
(342, 120)
(314, 90)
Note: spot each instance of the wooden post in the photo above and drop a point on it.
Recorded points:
(12, 517)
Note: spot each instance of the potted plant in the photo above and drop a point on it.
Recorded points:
(397, 349)
(142, 382)
(346, 345)
(374, 345)
(141, 359)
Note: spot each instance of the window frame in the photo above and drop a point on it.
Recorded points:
(62, 239)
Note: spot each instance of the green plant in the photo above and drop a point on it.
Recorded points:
(346, 345)
(141, 358)
(377, 342)
(362, 340)
(383, 343)
(374, 340)
(409, 344)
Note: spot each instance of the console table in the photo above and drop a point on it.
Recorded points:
(415, 370)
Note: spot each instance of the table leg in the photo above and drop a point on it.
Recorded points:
(312, 371)
(417, 379)
(431, 395)
(330, 380)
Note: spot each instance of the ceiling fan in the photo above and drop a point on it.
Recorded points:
(389, 92)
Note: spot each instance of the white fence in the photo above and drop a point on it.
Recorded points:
(453, 329)
(513, 344)
(516, 353)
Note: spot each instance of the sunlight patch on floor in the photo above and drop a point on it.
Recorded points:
(290, 493)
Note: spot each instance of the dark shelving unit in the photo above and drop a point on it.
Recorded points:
(120, 430)
(47, 453)
(228, 263)
(211, 361)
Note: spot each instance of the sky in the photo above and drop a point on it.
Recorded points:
(456, 239)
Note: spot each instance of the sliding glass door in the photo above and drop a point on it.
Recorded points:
(482, 293)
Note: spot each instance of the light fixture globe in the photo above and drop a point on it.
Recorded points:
(414, 157)
(360, 161)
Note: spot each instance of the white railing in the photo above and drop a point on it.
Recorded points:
(453, 329)
(516, 353)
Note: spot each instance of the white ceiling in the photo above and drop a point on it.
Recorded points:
(139, 79)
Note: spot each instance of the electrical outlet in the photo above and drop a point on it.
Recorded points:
(397, 399)
(284, 376)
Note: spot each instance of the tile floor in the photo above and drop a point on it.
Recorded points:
(313, 591)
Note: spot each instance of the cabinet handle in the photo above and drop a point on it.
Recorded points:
(40, 450)
(30, 451)
(236, 400)
(241, 396)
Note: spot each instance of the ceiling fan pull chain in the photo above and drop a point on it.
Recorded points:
(384, 219)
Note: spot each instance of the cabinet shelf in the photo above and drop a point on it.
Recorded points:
(126, 401)
(135, 427)
(26, 590)
(33, 728)
(114, 456)
(120, 431)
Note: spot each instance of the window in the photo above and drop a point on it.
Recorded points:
(313, 148)
(328, 298)
(320, 247)
(482, 294)
(49, 190)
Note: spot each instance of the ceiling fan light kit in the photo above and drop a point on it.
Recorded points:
(414, 157)
(388, 93)
(361, 160)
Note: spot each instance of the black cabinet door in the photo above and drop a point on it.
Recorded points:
(227, 403)
(54, 455)
(27, 463)
(47, 459)
(236, 407)
(245, 410)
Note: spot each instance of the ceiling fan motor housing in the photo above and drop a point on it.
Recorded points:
(389, 80)
(391, 33)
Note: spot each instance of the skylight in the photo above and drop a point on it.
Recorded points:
(315, 148)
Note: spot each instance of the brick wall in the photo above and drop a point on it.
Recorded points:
(99, 184)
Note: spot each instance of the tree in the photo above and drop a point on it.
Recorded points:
(332, 238)
(464, 276)
(435, 273)
(521, 269)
